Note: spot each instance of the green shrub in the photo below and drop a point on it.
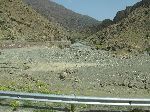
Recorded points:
(72, 108)
(47, 110)
(3, 88)
(1, 21)
(137, 110)
(148, 50)
(15, 104)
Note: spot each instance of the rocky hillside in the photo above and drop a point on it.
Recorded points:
(124, 13)
(129, 33)
(20, 22)
(65, 17)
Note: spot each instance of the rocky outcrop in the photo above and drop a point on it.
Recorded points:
(124, 13)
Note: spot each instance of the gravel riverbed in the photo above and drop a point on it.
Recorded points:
(76, 70)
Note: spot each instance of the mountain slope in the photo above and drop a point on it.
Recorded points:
(58, 13)
(20, 22)
(130, 33)
(124, 13)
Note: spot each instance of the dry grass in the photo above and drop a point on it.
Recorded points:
(58, 66)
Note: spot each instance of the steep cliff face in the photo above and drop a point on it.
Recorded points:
(67, 18)
(130, 34)
(20, 22)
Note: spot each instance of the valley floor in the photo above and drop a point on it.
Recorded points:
(76, 70)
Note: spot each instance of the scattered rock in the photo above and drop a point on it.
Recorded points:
(63, 76)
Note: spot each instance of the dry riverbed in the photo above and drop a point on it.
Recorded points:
(76, 70)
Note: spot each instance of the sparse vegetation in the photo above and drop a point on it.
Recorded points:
(148, 50)
(31, 62)
(128, 32)
(15, 104)
(57, 13)
(19, 22)
(72, 108)
(4, 88)
(138, 110)
(48, 110)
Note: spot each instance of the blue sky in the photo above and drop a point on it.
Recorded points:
(98, 9)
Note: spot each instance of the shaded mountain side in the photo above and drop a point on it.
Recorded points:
(20, 22)
(131, 34)
(95, 28)
(67, 18)
(90, 30)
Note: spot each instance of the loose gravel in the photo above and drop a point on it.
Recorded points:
(77, 70)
